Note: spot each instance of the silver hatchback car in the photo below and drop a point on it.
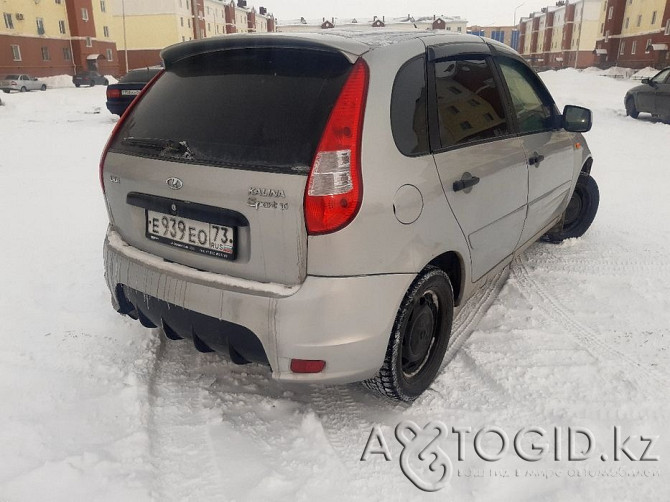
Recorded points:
(324, 203)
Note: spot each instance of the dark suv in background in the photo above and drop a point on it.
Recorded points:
(89, 78)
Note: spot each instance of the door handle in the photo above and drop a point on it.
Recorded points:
(535, 159)
(467, 181)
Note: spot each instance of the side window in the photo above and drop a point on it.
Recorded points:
(469, 106)
(532, 105)
(661, 77)
(409, 121)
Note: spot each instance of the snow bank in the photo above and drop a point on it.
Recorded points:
(647, 72)
(58, 81)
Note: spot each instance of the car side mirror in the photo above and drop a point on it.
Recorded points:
(646, 81)
(577, 119)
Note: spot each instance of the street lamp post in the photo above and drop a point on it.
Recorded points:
(125, 44)
(516, 9)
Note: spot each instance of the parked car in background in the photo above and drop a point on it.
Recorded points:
(21, 83)
(89, 78)
(653, 96)
(120, 95)
(325, 203)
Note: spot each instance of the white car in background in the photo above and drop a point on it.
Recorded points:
(21, 83)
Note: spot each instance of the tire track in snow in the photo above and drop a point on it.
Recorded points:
(647, 379)
(180, 444)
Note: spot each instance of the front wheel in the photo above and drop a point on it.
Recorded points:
(24, 89)
(631, 110)
(419, 338)
(580, 212)
(43, 88)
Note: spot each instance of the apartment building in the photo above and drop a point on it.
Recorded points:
(561, 36)
(52, 37)
(145, 27)
(634, 33)
(408, 23)
(508, 35)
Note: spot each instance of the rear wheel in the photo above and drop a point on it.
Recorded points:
(580, 212)
(631, 110)
(419, 338)
(77, 85)
(91, 83)
(6, 91)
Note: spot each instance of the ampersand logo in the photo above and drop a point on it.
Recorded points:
(422, 460)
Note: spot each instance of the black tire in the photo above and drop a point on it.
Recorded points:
(77, 85)
(43, 88)
(105, 82)
(631, 110)
(6, 91)
(419, 338)
(580, 212)
(91, 83)
(24, 89)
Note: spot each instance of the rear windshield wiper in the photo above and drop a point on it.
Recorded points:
(169, 147)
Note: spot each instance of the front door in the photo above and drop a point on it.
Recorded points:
(550, 151)
(481, 164)
(662, 94)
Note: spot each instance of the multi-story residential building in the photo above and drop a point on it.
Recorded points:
(508, 35)
(409, 23)
(634, 33)
(561, 36)
(56, 37)
(145, 27)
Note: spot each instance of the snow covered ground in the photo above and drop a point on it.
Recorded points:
(95, 407)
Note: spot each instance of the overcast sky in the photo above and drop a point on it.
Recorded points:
(482, 12)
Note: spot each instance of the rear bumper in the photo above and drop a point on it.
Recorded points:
(345, 321)
(117, 108)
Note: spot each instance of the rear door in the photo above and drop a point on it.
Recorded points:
(480, 162)
(550, 151)
(662, 95)
(209, 167)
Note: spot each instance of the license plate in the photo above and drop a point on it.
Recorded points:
(129, 92)
(198, 236)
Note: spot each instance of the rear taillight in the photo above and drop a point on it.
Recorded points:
(334, 187)
(113, 93)
(118, 125)
(13, 82)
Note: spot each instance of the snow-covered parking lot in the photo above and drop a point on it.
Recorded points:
(575, 342)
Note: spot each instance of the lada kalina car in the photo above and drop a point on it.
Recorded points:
(325, 203)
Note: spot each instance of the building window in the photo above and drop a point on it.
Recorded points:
(105, 31)
(181, 19)
(16, 52)
(627, 21)
(459, 29)
(45, 54)
(67, 54)
(622, 47)
(647, 48)
(61, 27)
(633, 47)
(602, 28)
(667, 27)
(58, 2)
(40, 26)
(188, 21)
(9, 24)
(89, 42)
(639, 20)
(610, 13)
(110, 55)
(84, 13)
(103, 7)
(653, 18)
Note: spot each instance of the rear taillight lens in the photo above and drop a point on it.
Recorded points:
(113, 93)
(118, 125)
(13, 83)
(334, 187)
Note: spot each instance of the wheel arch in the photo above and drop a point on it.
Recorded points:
(451, 263)
(586, 167)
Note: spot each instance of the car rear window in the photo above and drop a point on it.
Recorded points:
(260, 109)
(138, 76)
